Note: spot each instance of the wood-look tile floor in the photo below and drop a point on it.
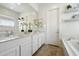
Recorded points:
(49, 50)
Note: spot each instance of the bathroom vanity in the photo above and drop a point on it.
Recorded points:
(25, 45)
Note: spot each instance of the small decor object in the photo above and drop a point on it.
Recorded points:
(22, 30)
(22, 18)
(29, 30)
(68, 7)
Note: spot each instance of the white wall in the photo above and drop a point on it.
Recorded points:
(35, 6)
(43, 12)
(5, 11)
(67, 30)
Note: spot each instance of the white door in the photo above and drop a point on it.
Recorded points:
(52, 26)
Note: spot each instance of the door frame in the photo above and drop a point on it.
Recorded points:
(58, 18)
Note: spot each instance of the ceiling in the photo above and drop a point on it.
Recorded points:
(26, 7)
(18, 7)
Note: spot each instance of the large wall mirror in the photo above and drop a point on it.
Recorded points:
(9, 14)
(7, 24)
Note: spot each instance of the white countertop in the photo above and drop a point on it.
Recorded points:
(13, 37)
(3, 39)
(72, 47)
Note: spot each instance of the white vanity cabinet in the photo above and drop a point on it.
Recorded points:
(16, 47)
(22, 46)
(35, 43)
(13, 51)
(41, 39)
(9, 48)
(26, 46)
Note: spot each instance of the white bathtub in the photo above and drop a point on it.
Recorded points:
(74, 45)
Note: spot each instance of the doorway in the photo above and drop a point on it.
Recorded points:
(53, 26)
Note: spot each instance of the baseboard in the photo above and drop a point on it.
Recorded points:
(54, 45)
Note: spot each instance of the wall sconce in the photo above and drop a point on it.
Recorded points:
(21, 18)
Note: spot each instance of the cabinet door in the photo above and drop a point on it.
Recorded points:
(41, 39)
(26, 48)
(9, 48)
(35, 42)
(13, 51)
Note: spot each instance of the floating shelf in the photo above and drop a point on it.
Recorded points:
(71, 20)
(71, 10)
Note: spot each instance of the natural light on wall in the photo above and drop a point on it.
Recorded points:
(6, 22)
